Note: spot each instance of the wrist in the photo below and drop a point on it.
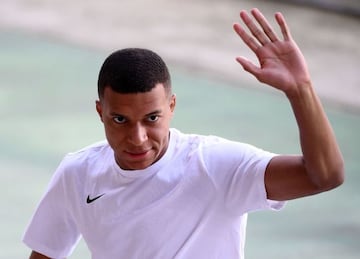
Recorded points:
(300, 91)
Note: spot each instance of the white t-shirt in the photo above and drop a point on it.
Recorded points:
(192, 203)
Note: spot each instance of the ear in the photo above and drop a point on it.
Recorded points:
(172, 102)
(99, 109)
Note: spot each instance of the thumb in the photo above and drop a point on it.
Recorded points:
(248, 66)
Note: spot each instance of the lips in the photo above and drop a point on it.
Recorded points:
(137, 153)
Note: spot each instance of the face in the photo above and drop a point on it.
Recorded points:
(137, 125)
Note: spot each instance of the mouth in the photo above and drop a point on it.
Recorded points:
(137, 154)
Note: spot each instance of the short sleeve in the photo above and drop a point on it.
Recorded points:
(52, 230)
(238, 171)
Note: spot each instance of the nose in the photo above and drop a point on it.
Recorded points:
(137, 135)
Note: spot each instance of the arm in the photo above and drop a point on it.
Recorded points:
(36, 255)
(282, 66)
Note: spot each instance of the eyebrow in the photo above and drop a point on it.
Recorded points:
(146, 115)
(153, 113)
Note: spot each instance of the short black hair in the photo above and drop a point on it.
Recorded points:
(133, 70)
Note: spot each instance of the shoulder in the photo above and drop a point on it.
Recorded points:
(87, 157)
(192, 143)
(216, 147)
(196, 140)
(91, 150)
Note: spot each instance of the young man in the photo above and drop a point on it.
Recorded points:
(153, 192)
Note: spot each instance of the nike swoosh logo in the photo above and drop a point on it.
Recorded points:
(90, 200)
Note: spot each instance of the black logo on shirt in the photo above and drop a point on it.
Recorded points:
(90, 200)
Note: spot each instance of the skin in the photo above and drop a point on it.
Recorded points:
(137, 125)
(36, 255)
(319, 168)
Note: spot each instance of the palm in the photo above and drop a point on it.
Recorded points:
(281, 65)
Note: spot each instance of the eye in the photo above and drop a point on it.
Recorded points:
(153, 118)
(119, 119)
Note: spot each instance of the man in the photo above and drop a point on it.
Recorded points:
(153, 192)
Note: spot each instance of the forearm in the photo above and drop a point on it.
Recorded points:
(36, 255)
(322, 157)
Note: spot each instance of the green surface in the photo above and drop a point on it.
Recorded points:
(47, 94)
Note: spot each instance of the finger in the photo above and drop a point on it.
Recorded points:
(283, 26)
(247, 39)
(254, 29)
(260, 18)
(248, 66)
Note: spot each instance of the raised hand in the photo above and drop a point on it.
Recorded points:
(281, 63)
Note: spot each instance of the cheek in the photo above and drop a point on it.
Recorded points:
(113, 134)
(158, 134)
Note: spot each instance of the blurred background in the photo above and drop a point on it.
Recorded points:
(50, 55)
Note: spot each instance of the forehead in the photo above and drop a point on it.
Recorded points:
(135, 103)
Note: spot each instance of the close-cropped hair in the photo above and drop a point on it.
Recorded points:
(133, 70)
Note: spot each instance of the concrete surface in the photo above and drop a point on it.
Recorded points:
(197, 35)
